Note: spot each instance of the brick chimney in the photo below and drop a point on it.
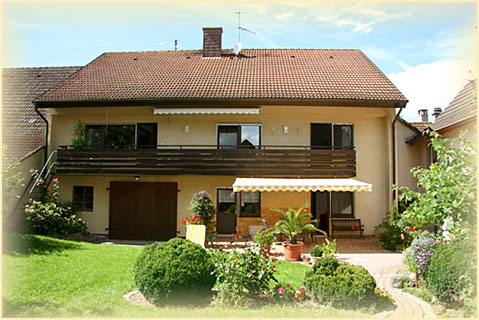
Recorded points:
(423, 115)
(212, 42)
(437, 113)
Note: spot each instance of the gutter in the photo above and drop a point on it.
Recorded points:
(396, 193)
(46, 133)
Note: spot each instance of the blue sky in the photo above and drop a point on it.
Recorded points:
(427, 49)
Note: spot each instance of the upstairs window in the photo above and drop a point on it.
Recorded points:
(331, 136)
(239, 136)
(124, 136)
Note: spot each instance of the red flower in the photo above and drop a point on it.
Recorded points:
(412, 229)
(353, 227)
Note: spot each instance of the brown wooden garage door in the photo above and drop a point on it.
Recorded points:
(143, 210)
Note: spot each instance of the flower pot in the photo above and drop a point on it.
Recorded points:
(292, 252)
(196, 233)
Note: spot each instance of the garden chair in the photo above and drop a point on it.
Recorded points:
(196, 235)
(275, 233)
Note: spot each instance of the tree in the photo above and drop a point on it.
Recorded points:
(448, 185)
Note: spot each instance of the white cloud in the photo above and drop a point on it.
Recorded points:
(260, 8)
(432, 85)
(284, 15)
(362, 17)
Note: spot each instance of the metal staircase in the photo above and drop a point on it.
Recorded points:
(31, 191)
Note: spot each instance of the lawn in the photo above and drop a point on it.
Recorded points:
(46, 277)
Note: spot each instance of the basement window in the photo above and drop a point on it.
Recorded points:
(83, 198)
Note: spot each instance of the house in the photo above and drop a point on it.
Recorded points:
(460, 114)
(23, 129)
(162, 125)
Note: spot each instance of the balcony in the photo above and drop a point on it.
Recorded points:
(284, 161)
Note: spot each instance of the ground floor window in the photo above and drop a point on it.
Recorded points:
(248, 203)
(83, 198)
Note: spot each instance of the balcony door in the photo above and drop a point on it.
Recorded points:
(234, 136)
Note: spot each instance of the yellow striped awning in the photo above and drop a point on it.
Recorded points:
(276, 184)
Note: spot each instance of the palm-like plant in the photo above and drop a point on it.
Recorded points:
(294, 222)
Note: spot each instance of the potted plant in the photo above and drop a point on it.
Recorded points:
(202, 214)
(79, 138)
(292, 224)
(316, 253)
(328, 249)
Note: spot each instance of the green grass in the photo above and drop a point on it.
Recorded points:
(46, 277)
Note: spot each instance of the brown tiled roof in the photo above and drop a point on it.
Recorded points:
(420, 125)
(463, 107)
(22, 128)
(310, 74)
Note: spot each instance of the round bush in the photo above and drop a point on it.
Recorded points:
(326, 266)
(174, 271)
(452, 272)
(348, 286)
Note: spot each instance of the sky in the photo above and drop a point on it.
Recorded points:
(427, 49)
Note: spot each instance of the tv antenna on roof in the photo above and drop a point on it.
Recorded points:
(237, 47)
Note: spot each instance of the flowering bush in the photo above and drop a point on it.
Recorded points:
(283, 293)
(418, 255)
(264, 239)
(242, 276)
(195, 220)
(53, 218)
(48, 216)
(202, 211)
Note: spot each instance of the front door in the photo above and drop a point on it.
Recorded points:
(143, 210)
(226, 215)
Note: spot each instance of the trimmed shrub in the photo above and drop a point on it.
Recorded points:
(452, 273)
(342, 285)
(325, 266)
(174, 271)
(243, 277)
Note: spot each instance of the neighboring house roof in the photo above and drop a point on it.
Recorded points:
(258, 74)
(22, 128)
(462, 108)
(420, 125)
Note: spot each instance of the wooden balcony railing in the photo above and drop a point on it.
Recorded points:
(209, 160)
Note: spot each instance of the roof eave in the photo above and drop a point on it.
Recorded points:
(231, 101)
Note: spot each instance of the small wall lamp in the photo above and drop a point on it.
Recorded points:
(137, 178)
(285, 129)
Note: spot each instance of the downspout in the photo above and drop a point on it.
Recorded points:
(395, 194)
(46, 133)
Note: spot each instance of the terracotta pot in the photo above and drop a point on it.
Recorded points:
(292, 252)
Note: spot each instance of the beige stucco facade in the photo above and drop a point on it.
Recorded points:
(371, 135)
